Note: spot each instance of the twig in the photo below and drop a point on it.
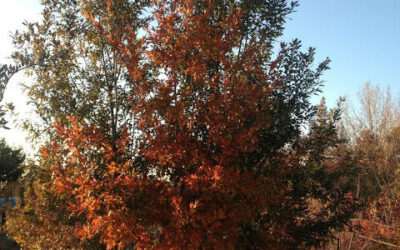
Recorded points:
(377, 241)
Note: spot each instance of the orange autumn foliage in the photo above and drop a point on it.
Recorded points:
(218, 160)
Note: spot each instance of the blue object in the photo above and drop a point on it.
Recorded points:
(13, 201)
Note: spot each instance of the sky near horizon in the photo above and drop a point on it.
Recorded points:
(361, 37)
(12, 14)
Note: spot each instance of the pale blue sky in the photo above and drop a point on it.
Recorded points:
(362, 38)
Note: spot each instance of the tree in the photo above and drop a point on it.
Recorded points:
(75, 73)
(11, 168)
(220, 155)
(373, 129)
(372, 132)
(44, 222)
(6, 72)
(200, 142)
(10, 163)
(10, 171)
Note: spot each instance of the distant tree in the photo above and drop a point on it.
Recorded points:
(10, 163)
(10, 171)
(11, 168)
(373, 129)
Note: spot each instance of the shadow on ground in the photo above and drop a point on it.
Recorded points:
(7, 243)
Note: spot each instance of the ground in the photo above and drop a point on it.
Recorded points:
(6, 243)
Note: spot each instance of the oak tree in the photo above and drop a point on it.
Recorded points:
(221, 160)
(173, 124)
